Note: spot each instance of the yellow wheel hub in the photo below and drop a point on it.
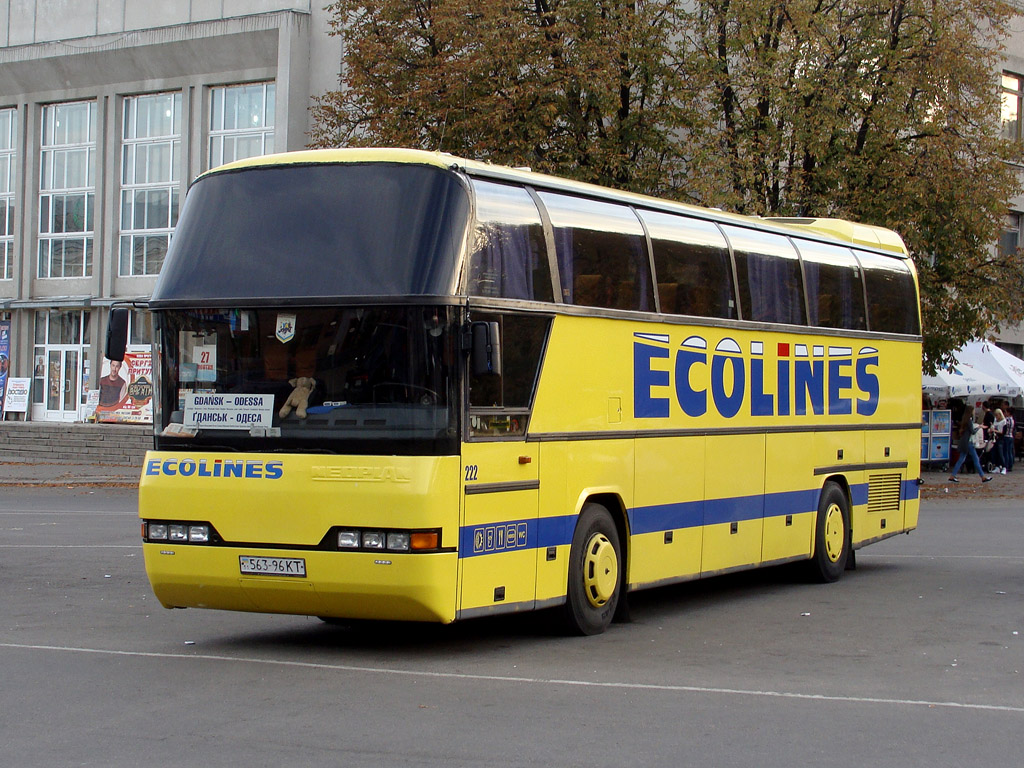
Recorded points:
(600, 570)
(835, 533)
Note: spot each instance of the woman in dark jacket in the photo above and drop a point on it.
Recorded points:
(966, 448)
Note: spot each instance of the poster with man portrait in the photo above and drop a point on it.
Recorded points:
(126, 390)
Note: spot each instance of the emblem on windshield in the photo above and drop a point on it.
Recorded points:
(285, 328)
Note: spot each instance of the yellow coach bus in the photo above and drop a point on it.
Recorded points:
(400, 385)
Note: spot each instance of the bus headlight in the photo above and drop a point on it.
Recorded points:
(362, 540)
(398, 541)
(184, 532)
(348, 539)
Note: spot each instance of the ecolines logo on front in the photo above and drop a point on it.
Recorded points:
(799, 379)
(253, 469)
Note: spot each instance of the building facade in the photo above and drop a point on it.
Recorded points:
(1012, 81)
(108, 109)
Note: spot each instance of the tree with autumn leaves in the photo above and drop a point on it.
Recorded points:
(574, 88)
(880, 111)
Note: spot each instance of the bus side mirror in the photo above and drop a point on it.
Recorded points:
(117, 334)
(485, 354)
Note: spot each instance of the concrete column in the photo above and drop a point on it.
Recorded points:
(291, 118)
(107, 217)
(29, 212)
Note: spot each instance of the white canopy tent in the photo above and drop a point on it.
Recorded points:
(984, 357)
(966, 382)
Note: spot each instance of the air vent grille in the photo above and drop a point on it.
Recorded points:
(884, 493)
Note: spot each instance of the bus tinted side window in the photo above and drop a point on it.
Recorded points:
(835, 290)
(892, 296)
(509, 258)
(691, 261)
(500, 405)
(602, 253)
(768, 276)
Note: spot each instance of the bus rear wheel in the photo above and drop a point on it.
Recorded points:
(831, 535)
(595, 572)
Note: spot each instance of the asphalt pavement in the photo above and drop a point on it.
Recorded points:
(912, 659)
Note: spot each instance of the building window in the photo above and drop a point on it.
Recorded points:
(1012, 107)
(241, 122)
(67, 197)
(8, 127)
(1009, 238)
(140, 328)
(150, 175)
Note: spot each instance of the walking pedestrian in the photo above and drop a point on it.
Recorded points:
(998, 432)
(966, 448)
(1011, 427)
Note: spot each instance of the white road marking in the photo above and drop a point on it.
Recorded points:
(527, 680)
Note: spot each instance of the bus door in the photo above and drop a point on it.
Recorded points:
(497, 545)
(501, 471)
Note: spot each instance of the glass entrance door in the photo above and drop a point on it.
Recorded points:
(63, 384)
(61, 368)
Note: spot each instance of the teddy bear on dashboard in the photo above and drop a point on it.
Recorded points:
(302, 387)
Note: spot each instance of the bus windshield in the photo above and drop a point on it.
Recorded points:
(335, 380)
(315, 233)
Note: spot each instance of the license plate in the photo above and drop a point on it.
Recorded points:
(272, 566)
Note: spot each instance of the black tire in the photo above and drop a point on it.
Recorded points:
(831, 535)
(595, 573)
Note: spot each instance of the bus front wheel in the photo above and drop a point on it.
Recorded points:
(831, 535)
(595, 578)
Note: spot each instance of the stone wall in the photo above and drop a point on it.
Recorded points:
(28, 441)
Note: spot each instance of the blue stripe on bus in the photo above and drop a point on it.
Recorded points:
(859, 494)
(515, 535)
(665, 517)
(556, 531)
(911, 490)
(693, 514)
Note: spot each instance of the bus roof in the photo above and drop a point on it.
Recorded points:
(849, 232)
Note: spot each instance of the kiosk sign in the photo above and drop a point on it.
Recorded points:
(223, 411)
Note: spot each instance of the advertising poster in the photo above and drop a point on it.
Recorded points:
(91, 401)
(126, 390)
(16, 398)
(935, 436)
(5, 358)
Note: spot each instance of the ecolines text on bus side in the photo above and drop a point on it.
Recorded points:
(226, 468)
(805, 378)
